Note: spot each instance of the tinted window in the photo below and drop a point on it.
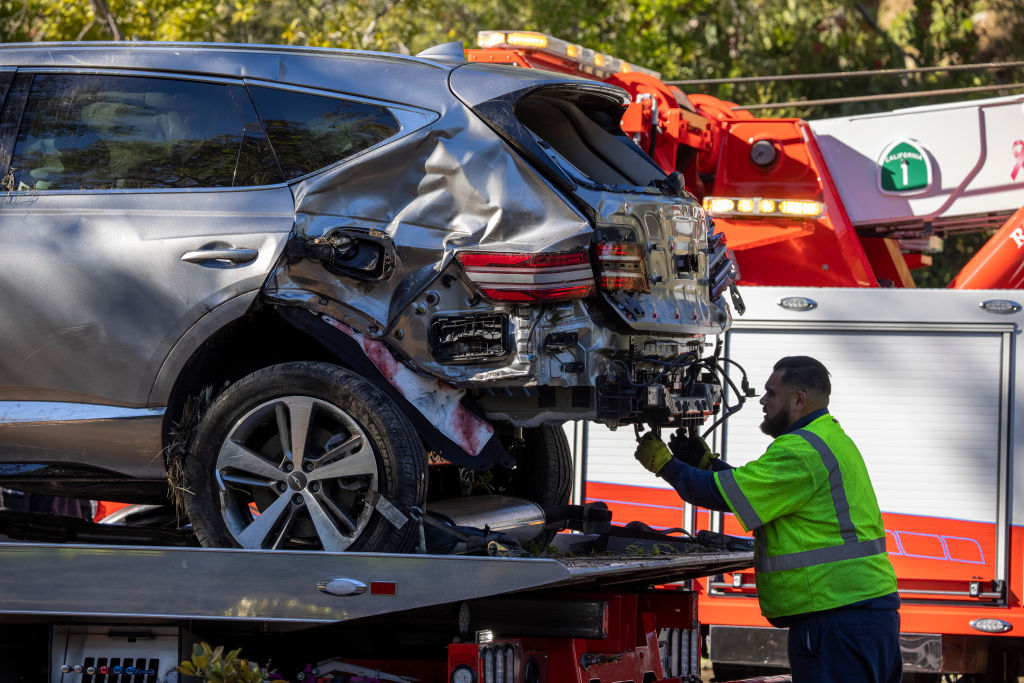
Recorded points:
(311, 131)
(88, 132)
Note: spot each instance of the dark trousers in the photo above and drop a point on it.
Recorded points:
(846, 645)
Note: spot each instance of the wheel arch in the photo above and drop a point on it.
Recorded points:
(235, 339)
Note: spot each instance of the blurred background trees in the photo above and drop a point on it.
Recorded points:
(682, 39)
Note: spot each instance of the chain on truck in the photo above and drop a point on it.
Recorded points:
(854, 204)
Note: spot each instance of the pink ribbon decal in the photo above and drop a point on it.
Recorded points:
(1018, 153)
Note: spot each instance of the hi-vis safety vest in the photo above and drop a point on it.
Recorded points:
(818, 536)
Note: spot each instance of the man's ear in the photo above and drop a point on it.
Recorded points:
(798, 400)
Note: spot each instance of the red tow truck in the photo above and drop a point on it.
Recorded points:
(826, 220)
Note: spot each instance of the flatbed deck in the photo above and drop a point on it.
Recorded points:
(158, 583)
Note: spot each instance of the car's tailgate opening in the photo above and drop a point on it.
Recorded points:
(582, 135)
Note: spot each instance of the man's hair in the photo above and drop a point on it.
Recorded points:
(804, 372)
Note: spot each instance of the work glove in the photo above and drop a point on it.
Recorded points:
(652, 453)
(692, 450)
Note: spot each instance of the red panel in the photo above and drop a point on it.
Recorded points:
(928, 554)
(886, 260)
(1000, 263)
(826, 252)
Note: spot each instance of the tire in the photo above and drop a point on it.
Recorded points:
(543, 472)
(362, 465)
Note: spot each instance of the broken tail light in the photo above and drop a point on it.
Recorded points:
(557, 276)
(621, 266)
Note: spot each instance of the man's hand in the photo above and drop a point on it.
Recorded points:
(692, 450)
(652, 453)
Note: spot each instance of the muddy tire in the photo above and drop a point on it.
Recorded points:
(305, 456)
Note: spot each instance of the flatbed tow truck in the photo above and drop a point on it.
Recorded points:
(103, 613)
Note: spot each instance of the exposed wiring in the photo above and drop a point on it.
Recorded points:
(669, 367)
(743, 395)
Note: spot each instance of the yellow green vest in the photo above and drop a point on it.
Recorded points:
(818, 536)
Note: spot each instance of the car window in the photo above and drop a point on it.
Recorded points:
(91, 131)
(309, 132)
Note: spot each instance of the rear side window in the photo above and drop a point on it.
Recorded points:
(97, 132)
(582, 135)
(309, 132)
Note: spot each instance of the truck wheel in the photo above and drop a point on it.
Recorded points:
(305, 456)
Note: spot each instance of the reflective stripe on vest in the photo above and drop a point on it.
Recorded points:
(850, 549)
(741, 506)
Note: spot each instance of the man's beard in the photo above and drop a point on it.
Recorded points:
(776, 426)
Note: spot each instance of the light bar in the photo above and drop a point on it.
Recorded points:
(589, 61)
(764, 207)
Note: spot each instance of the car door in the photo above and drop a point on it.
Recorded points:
(133, 205)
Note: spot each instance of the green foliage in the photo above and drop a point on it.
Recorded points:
(956, 252)
(683, 39)
(212, 665)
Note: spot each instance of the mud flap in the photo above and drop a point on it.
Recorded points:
(351, 355)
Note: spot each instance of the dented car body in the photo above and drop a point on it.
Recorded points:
(480, 247)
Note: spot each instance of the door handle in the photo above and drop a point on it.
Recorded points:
(229, 255)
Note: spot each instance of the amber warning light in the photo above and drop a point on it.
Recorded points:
(587, 60)
(763, 207)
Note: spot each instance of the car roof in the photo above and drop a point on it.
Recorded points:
(95, 53)
(379, 75)
(420, 81)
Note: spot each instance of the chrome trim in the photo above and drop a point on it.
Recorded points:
(341, 587)
(1000, 306)
(797, 303)
(139, 73)
(1005, 464)
(35, 412)
(1001, 625)
(880, 326)
(910, 591)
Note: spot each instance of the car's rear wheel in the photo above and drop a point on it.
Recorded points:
(543, 471)
(305, 456)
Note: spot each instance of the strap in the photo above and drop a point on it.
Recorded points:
(847, 531)
(809, 558)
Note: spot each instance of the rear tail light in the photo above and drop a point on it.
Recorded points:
(530, 277)
(621, 266)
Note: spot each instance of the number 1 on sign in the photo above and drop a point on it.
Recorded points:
(906, 172)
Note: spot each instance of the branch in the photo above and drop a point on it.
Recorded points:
(102, 11)
(384, 9)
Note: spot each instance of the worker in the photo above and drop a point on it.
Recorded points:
(819, 546)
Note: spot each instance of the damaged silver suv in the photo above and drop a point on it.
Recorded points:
(320, 291)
